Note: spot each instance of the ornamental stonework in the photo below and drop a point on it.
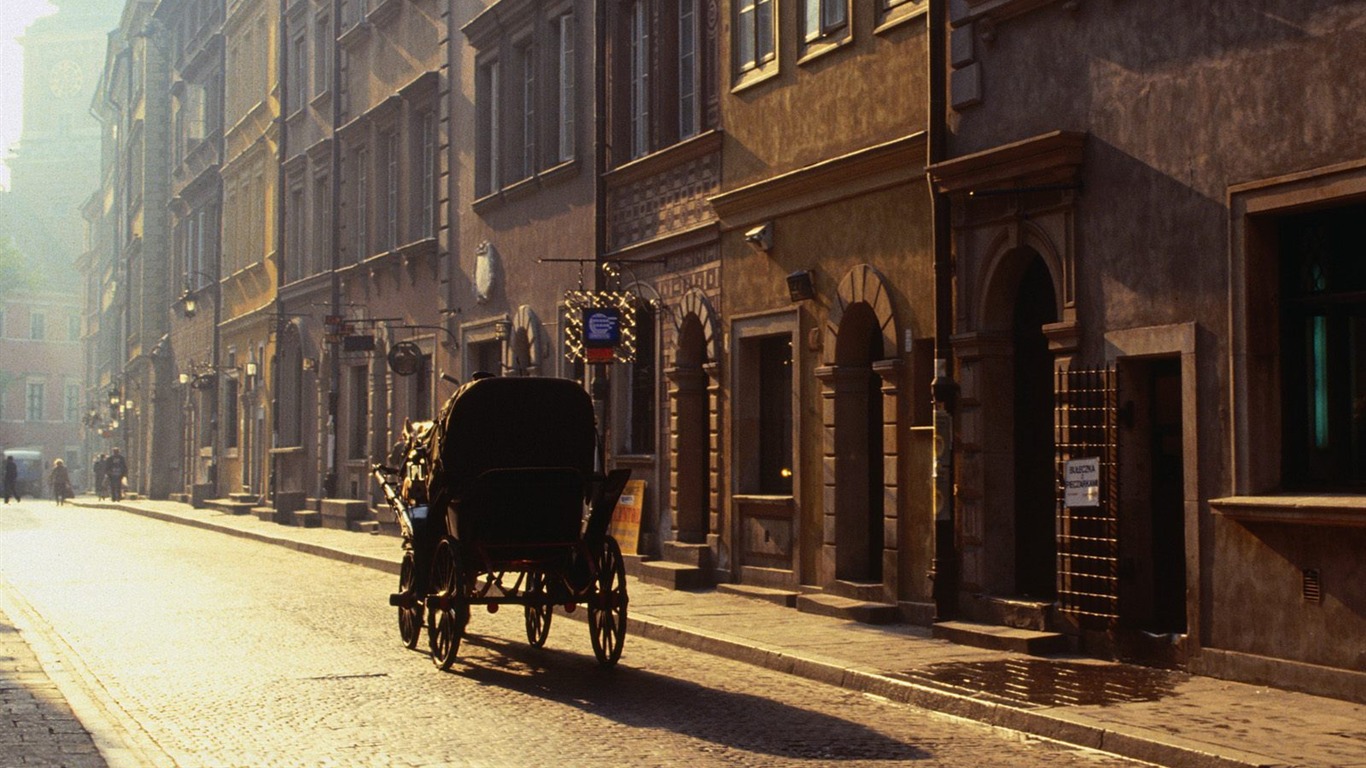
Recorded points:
(667, 202)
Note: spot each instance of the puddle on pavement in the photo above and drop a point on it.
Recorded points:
(1047, 682)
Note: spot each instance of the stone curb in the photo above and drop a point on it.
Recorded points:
(1136, 743)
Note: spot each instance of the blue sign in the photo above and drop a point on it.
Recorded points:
(601, 327)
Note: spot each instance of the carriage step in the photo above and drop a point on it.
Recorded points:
(861, 611)
(403, 599)
(670, 575)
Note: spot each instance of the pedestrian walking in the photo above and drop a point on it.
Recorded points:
(11, 479)
(101, 478)
(116, 467)
(60, 480)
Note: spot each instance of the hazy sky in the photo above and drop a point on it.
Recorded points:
(15, 15)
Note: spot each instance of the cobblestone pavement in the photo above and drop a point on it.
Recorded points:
(190, 648)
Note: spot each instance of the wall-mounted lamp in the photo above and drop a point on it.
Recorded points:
(115, 398)
(251, 369)
(310, 364)
(800, 286)
(761, 238)
(189, 305)
(184, 378)
(502, 329)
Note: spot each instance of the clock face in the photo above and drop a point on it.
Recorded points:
(66, 79)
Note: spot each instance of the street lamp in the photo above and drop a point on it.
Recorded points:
(189, 298)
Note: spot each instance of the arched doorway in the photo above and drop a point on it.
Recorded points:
(1035, 492)
(859, 481)
(692, 488)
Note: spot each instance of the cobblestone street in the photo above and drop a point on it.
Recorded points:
(196, 649)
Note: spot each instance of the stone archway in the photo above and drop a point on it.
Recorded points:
(860, 384)
(693, 384)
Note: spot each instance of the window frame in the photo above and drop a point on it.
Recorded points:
(762, 29)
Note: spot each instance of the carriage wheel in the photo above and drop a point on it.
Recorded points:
(446, 624)
(537, 614)
(607, 605)
(409, 617)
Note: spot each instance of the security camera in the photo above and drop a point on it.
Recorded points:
(761, 237)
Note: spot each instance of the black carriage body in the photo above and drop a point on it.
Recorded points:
(512, 460)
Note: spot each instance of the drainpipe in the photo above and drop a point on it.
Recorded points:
(944, 571)
(281, 248)
(601, 384)
(329, 489)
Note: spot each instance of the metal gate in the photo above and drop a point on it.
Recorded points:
(1085, 422)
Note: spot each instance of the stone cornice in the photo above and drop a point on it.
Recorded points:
(896, 162)
(1050, 158)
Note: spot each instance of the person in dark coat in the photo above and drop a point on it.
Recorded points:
(11, 479)
(101, 476)
(116, 467)
(60, 480)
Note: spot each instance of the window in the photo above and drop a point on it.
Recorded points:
(753, 34)
(689, 71)
(775, 415)
(424, 177)
(640, 393)
(322, 223)
(296, 217)
(490, 133)
(822, 17)
(362, 243)
(526, 58)
(360, 411)
(297, 82)
(322, 55)
(638, 78)
(71, 410)
(564, 76)
(388, 144)
(1323, 345)
(37, 326)
(33, 401)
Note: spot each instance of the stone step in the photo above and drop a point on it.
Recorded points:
(1002, 638)
(265, 514)
(244, 497)
(230, 507)
(364, 526)
(865, 591)
(862, 611)
(783, 597)
(308, 518)
(669, 575)
(696, 555)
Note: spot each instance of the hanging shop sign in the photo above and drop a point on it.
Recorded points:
(600, 327)
(405, 358)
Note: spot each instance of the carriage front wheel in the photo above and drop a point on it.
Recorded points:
(607, 604)
(449, 609)
(538, 609)
(409, 616)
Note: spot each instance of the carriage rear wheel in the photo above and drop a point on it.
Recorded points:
(451, 612)
(409, 616)
(538, 609)
(607, 604)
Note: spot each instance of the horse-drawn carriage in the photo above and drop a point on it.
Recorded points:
(499, 501)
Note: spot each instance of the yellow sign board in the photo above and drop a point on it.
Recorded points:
(625, 525)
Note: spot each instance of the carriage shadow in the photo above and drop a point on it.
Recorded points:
(644, 699)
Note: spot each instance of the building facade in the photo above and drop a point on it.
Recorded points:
(46, 404)
(1152, 283)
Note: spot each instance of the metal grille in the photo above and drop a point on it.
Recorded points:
(1085, 417)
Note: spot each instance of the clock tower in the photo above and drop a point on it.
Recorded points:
(56, 165)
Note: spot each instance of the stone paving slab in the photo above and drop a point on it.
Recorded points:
(1168, 718)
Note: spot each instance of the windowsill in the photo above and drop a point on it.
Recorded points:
(771, 499)
(386, 10)
(526, 187)
(898, 16)
(822, 47)
(520, 189)
(323, 98)
(355, 33)
(1330, 510)
(753, 77)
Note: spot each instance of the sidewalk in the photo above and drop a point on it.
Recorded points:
(1168, 718)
